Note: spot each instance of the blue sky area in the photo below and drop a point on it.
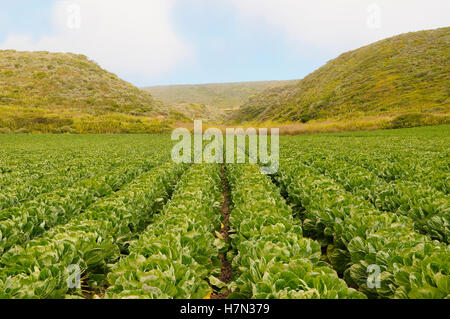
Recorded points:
(25, 16)
(159, 42)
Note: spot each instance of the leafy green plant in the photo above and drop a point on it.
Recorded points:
(359, 236)
(272, 259)
(178, 255)
(92, 240)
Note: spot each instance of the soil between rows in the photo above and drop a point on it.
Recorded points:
(226, 274)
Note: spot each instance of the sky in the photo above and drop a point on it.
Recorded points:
(161, 42)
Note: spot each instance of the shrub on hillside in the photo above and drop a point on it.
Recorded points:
(5, 130)
(21, 131)
(64, 130)
(418, 119)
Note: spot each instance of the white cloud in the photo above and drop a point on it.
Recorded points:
(132, 38)
(342, 25)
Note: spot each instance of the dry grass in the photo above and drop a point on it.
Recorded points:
(373, 123)
(327, 126)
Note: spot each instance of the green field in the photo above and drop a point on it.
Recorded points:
(136, 225)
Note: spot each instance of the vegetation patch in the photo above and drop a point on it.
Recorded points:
(401, 75)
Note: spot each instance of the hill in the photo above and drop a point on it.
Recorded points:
(209, 101)
(42, 90)
(406, 76)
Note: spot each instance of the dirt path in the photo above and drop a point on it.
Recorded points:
(226, 273)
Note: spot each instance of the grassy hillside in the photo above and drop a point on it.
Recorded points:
(69, 81)
(405, 76)
(199, 111)
(42, 91)
(209, 101)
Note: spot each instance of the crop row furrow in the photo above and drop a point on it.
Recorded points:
(360, 237)
(90, 242)
(431, 173)
(428, 208)
(20, 224)
(273, 259)
(47, 180)
(177, 255)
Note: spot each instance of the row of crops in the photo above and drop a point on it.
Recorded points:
(345, 217)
